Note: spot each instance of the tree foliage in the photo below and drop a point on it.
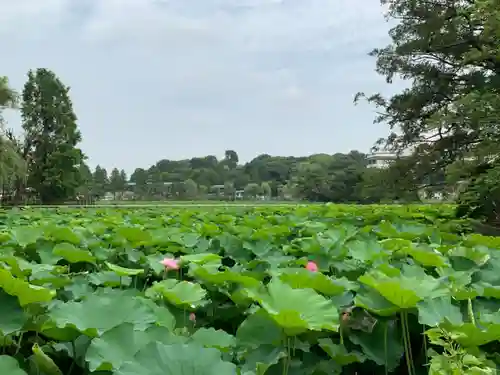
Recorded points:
(51, 137)
(448, 51)
(320, 177)
(12, 164)
(8, 96)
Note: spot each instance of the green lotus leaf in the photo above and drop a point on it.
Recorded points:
(24, 291)
(296, 310)
(301, 278)
(201, 258)
(109, 279)
(122, 271)
(182, 293)
(63, 234)
(73, 254)
(25, 235)
(211, 338)
(10, 366)
(372, 301)
(382, 345)
(186, 359)
(260, 359)
(135, 235)
(433, 312)
(212, 275)
(403, 291)
(12, 316)
(119, 344)
(339, 353)
(99, 313)
(259, 329)
(18, 266)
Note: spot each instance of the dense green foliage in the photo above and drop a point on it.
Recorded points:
(448, 51)
(337, 178)
(397, 289)
(12, 165)
(322, 178)
(45, 161)
(52, 136)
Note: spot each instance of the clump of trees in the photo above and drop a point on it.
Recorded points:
(449, 116)
(320, 178)
(46, 158)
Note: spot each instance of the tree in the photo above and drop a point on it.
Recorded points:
(231, 159)
(8, 97)
(340, 177)
(51, 137)
(12, 164)
(331, 178)
(100, 181)
(481, 198)
(140, 179)
(117, 181)
(123, 177)
(86, 181)
(449, 51)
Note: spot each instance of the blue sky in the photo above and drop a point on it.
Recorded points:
(171, 79)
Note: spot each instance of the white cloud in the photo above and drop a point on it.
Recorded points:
(21, 15)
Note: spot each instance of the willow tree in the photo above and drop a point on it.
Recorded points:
(12, 164)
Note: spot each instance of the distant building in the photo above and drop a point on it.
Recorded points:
(381, 159)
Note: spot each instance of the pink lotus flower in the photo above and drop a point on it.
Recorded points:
(170, 264)
(192, 317)
(311, 266)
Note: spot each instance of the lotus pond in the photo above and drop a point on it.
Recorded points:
(292, 290)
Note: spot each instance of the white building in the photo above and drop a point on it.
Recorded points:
(381, 159)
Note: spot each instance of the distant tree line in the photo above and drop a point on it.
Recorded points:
(320, 178)
(44, 162)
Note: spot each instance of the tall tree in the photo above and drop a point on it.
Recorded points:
(448, 50)
(51, 137)
(123, 177)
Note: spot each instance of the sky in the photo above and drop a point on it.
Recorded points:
(174, 79)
